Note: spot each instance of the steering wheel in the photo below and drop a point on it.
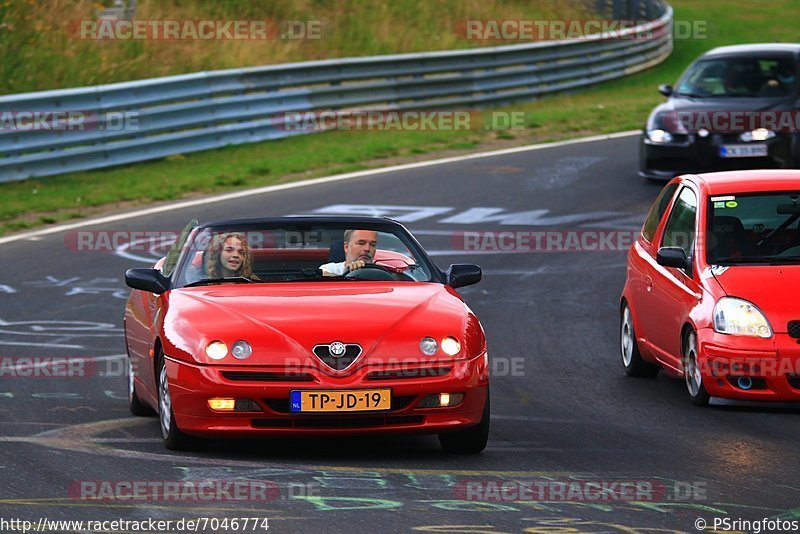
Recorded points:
(371, 271)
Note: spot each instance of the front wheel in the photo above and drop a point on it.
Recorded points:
(174, 439)
(470, 440)
(691, 371)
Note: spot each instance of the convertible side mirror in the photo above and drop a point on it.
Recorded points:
(665, 89)
(463, 274)
(673, 257)
(150, 280)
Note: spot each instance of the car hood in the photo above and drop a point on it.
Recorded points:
(684, 105)
(289, 319)
(775, 289)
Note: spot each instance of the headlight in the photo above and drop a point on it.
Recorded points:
(740, 318)
(428, 346)
(759, 134)
(659, 136)
(662, 125)
(451, 346)
(241, 349)
(216, 350)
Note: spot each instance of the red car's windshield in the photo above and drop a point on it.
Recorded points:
(268, 254)
(754, 228)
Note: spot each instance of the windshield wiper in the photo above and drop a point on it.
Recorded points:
(690, 95)
(231, 279)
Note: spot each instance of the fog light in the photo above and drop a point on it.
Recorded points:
(222, 404)
(441, 400)
(228, 404)
(450, 399)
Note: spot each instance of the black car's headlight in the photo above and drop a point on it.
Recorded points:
(659, 136)
(759, 134)
(662, 125)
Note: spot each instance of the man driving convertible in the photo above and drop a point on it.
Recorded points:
(359, 250)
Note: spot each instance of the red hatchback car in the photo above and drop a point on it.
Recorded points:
(713, 286)
(306, 325)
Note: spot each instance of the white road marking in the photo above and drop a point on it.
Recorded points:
(306, 183)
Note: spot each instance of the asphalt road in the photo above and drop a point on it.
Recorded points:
(562, 408)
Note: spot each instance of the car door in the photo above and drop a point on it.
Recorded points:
(671, 293)
(150, 308)
(640, 257)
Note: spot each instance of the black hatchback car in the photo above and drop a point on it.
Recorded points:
(736, 107)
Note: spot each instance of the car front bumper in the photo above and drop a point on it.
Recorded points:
(770, 367)
(192, 385)
(690, 154)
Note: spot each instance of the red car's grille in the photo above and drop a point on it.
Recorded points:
(337, 422)
(794, 329)
(342, 361)
(400, 374)
(262, 376)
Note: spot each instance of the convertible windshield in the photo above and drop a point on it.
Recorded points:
(754, 229)
(739, 77)
(279, 252)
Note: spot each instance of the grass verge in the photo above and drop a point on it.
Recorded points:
(614, 106)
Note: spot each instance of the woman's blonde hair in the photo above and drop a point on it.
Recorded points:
(214, 251)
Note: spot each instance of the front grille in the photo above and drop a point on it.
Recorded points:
(401, 374)
(337, 422)
(282, 405)
(794, 329)
(338, 363)
(264, 376)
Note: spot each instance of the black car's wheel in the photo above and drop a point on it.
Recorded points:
(470, 440)
(691, 371)
(136, 406)
(632, 359)
(174, 439)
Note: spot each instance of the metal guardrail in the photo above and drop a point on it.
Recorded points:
(205, 110)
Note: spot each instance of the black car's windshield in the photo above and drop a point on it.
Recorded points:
(253, 252)
(739, 77)
(754, 229)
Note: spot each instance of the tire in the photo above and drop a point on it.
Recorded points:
(632, 359)
(137, 407)
(691, 371)
(470, 440)
(174, 439)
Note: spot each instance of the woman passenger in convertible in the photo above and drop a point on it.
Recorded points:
(228, 256)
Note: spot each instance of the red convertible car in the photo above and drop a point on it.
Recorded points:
(713, 286)
(306, 325)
